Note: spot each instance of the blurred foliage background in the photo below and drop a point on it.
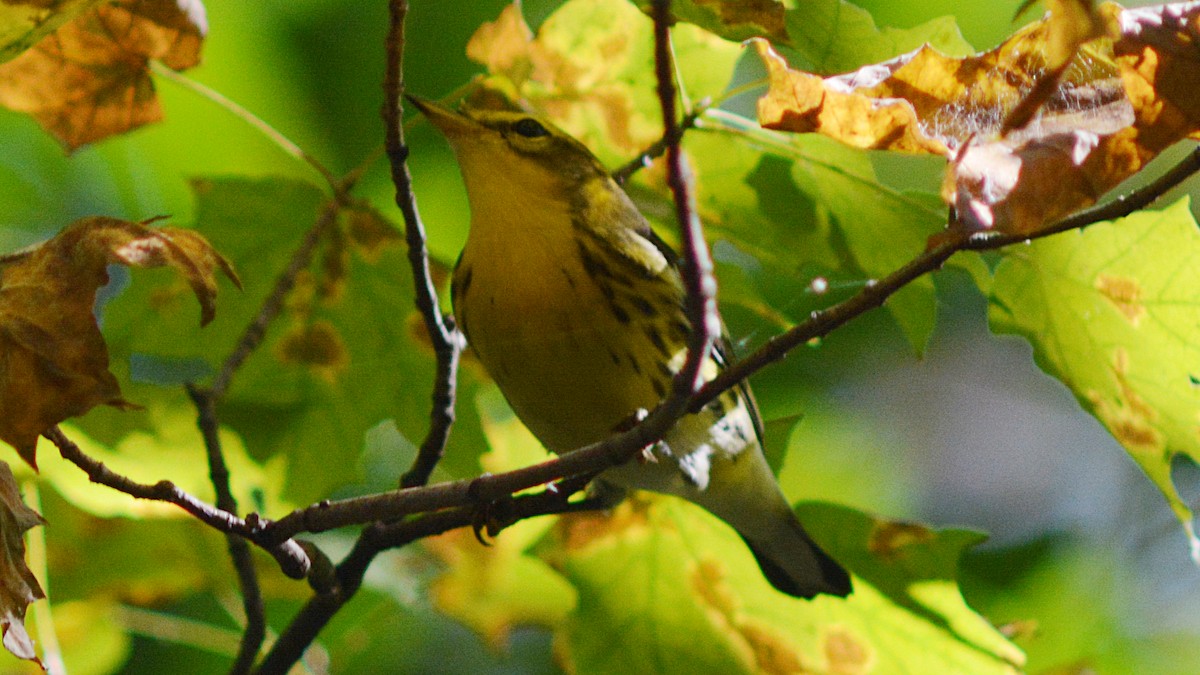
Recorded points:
(1085, 562)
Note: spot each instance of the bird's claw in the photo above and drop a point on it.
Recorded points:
(491, 518)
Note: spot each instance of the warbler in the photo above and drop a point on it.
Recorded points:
(576, 310)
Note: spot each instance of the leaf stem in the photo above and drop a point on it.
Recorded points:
(256, 330)
(237, 110)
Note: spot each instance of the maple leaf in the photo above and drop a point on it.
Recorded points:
(1117, 102)
(18, 586)
(90, 79)
(494, 589)
(53, 360)
(732, 20)
(587, 69)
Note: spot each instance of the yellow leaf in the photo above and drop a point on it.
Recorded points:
(493, 589)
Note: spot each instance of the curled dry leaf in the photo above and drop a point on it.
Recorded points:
(18, 586)
(53, 360)
(90, 79)
(1119, 101)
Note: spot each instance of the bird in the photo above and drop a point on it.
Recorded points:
(575, 308)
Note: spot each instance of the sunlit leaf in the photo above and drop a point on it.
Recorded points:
(665, 588)
(1112, 312)
(494, 589)
(175, 452)
(1091, 130)
(53, 360)
(590, 68)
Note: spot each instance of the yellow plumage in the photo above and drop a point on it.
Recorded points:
(575, 308)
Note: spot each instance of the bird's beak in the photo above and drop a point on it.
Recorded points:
(452, 124)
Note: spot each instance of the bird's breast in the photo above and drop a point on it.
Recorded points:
(576, 344)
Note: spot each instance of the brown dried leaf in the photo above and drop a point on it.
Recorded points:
(23, 23)
(1115, 103)
(90, 79)
(1160, 68)
(53, 360)
(18, 586)
(1070, 24)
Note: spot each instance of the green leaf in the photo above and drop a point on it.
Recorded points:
(497, 588)
(731, 19)
(883, 229)
(834, 36)
(173, 450)
(1045, 593)
(340, 359)
(679, 592)
(1112, 312)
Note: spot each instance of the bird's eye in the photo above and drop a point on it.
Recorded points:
(530, 128)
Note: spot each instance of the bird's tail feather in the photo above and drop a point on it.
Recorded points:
(795, 565)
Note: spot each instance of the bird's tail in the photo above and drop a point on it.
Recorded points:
(793, 562)
(745, 494)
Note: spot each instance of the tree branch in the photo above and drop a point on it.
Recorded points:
(239, 548)
(447, 344)
(447, 341)
(698, 279)
(348, 575)
(292, 559)
(822, 322)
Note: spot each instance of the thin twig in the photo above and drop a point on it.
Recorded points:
(659, 147)
(698, 279)
(206, 400)
(239, 548)
(873, 295)
(292, 559)
(303, 629)
(447, 342)
(253, 336)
